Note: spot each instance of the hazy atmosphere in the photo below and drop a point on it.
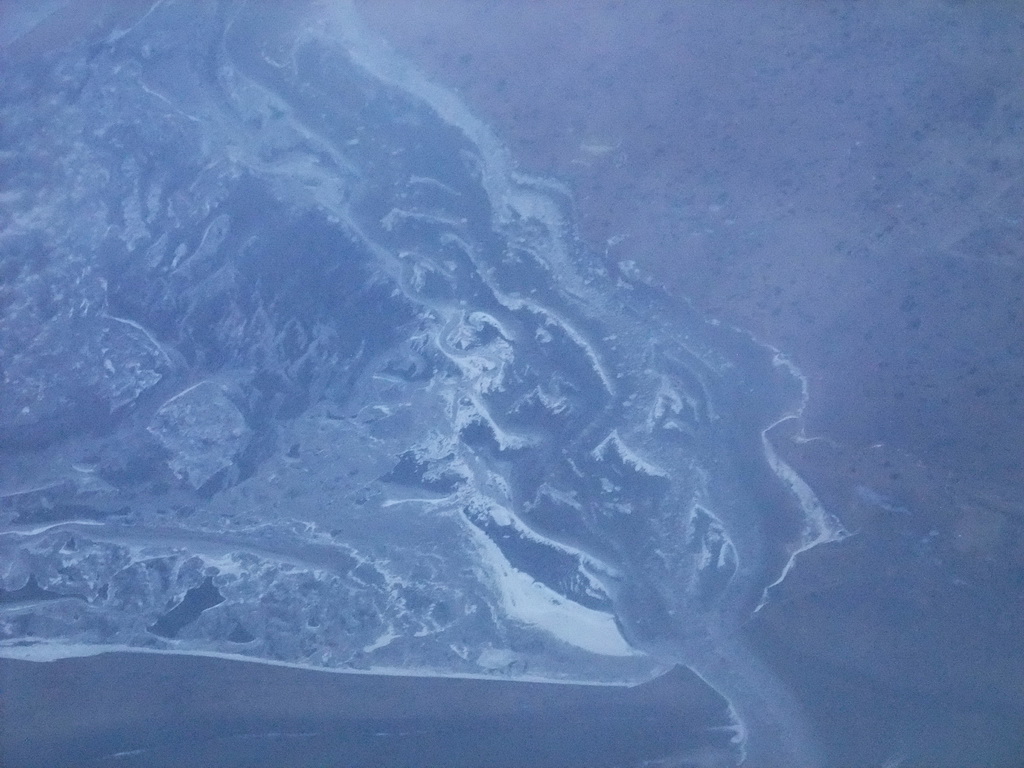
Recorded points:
(494, 383)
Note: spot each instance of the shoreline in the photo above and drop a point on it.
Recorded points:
(36, 651)
(153, 710)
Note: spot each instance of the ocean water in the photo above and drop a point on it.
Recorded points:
(145, 709)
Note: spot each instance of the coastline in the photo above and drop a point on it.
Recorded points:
(43, 650)
(151, 709)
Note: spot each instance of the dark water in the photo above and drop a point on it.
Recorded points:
(158, 710)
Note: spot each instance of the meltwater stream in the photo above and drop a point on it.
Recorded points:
(353, 378)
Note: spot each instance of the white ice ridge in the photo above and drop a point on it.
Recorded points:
(46, 527)
(383, 641)
(551, 316)
(820, 525)
(152, 340)
(428, 181)
(44, 649)
(627, 454)
(469, 409)
(397, 216)
(589, 565)
(555, 319)
(726, 553)
(534, 604)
